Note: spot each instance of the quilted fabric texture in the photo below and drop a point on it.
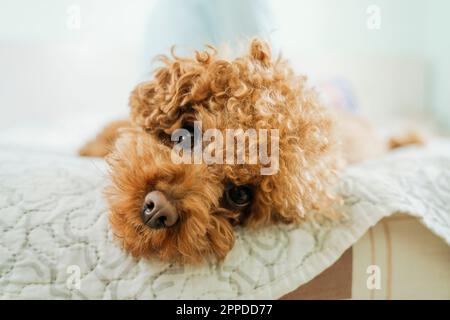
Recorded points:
(55, 241)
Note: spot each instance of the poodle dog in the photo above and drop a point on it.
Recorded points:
(187, 211)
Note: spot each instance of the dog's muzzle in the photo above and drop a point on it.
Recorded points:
(157, 212)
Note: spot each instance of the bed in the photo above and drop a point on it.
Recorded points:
(55, 241)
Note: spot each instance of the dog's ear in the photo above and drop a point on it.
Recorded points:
(309, 160)
(156, 102)
(295, 193)
(260, 51)
(140, 103)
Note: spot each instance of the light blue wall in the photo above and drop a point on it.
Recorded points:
(192, 24)
(409, 28)
(413, 28)
(103, 22)
(437, 52)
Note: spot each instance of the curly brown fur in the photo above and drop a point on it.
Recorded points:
(251, 91)
(103, 143)
(407, 138)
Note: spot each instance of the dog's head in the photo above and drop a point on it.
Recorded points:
(217, 143)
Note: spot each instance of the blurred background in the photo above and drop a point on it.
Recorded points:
(67, 67)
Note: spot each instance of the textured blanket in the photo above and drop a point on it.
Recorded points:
(55, 241)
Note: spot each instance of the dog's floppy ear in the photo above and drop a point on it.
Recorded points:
(140, 103)
(261, 51)
(156, 102)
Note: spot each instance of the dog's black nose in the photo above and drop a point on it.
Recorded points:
(158, 212)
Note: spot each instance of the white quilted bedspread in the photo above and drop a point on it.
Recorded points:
(54, 232)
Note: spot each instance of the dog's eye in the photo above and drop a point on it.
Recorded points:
(239, 196)
(184, 136)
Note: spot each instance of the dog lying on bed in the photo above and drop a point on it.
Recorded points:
(178, 186)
